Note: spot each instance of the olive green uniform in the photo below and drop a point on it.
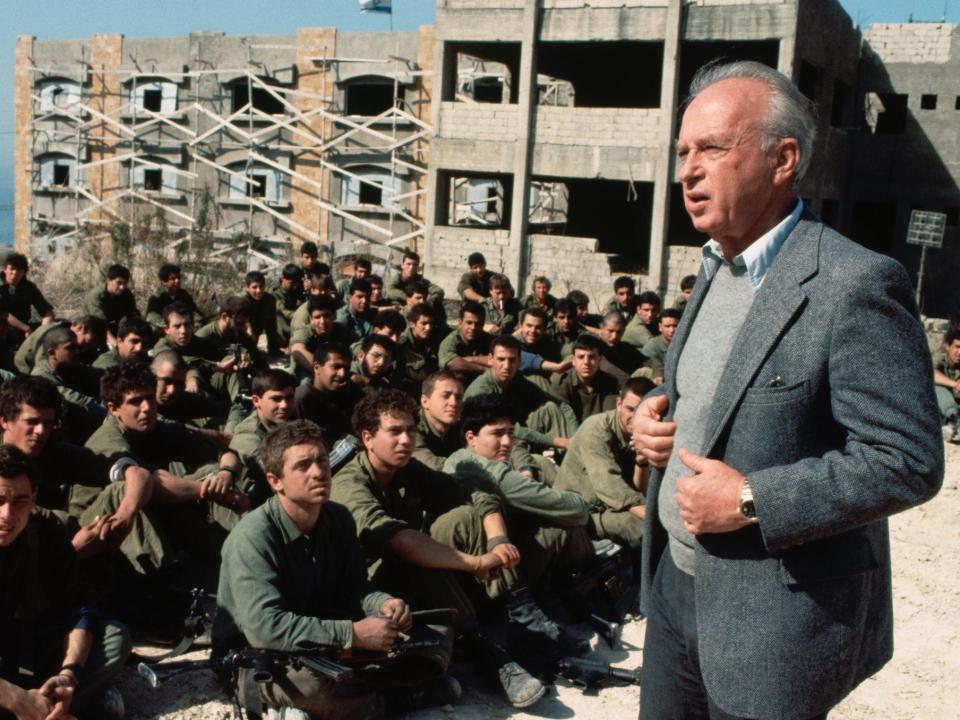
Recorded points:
(542, 416)
(394, 290)
(656, 353)
(416, 359)
(549, 306)
(247, 436)
(586, 402)
(599, 466)
(26, 356)
(287, 303)
(947, 399)
(112, 308)
(505, 318)
(107, 359)
(480, 285)
(415, 492)
(43, 598)
(79, 387)
(637, 333)
(263, 321)
(157, 302)
(310, 340)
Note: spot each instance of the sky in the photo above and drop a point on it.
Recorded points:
(74, 19)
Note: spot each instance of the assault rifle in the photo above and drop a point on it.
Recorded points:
(590, 674)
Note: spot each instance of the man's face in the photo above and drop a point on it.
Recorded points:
(686, 293)
(132, 346)
(138, 410)
(564, 321)
(322, 322)
(668, 326)
(582, 310)
(288, 284)
(415, 299)
(86, 340)
(442, 406)
(376, 361)
(470, 325)
(359, 301)
(376, 292)
(408, 268)
(422, 327)
(586, 363)
(386, 332)
(625, 298)
(255, 290)
(953, 353)
(392, 443)
(504, 363)
(307, 260)
(305, 479)
(117, 285)
(170, 383)
(65, 353)
(274, 406)
(17, 498)
(31, 430)
(532, 330)
(611, 332)
(478, 270)
(493, 441)
(13, 275)
(179, 329)
(498, 294)
(626, 409)
(171, 284)
(540, 290)
(648, 313)
(728, 182)
(333, 374)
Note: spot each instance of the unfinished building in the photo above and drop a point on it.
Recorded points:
(262, 142)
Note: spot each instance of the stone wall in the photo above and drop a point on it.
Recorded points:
(911, 43)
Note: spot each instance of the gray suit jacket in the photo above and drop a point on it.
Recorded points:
(827, 406)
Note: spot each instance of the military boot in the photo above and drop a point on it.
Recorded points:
(527, 616)
(521, 688)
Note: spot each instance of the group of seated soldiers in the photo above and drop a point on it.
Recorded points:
(372, 465)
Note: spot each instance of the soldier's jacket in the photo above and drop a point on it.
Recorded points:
(599, 464)
(571, 389)
(194, 408)
(223, 345)
(432, 448)
(107, 359)
(279, 587)
(41, 587)
(373, 384)
(112, 308)
(480, 285)
(453, 346)
(78, 385)
(680, 302)
(518, 493)
(414, 491)
(637, 334)
(942, 363)
(287, 302)
(417, 358)
(394, 290)
(23, 300)
(505, 318)
(26, 356)
(530, 301)
(311, 340)
(331, 411)
(614, 305)
(200, 355)
(621, 360)
(70, 477)
(526, 397)
(169, 446)
(565, 339)
(159, 300)
(359, 326)
(656, 352)
(263, 321)
(246, 440)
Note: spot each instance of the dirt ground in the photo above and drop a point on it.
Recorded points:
(920, 682)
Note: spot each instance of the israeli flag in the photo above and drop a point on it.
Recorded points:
(382, 6)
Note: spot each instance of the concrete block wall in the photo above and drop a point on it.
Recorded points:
(451, 246)
(570, 263)
(682, 260)
(22, 158)
(911, 43)
(481, 121)
(612, 127)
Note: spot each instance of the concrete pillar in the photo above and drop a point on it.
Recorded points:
(23, 130)
(426, 45)
(663, 177)
(434, 191)
(515, 259)
(106, 96)
(318, 79)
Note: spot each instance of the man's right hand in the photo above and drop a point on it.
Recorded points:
(31, 705)
(375, 633)
(488, 566)
(652, 437)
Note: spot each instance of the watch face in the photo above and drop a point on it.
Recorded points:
(748, 510)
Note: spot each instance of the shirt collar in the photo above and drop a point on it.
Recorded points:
(291, 533)
(759, 255)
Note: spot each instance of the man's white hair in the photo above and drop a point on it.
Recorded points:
(790, 113)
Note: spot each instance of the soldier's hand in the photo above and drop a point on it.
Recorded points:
(652, 437)
(227, 365)
(59, 690)
(30, 704)
(215, 486)
(117, 527)
(487, 566)
(90, 538)
(561, 442)
(375, 633)
(508, 553)
(397, 610)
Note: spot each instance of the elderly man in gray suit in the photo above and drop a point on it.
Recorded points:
(783, 434)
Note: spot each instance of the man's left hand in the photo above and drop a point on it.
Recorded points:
(397, 610)
(709, 500)
(59, 691)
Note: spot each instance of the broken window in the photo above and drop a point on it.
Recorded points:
(368, 185)
(159, 96)
(259, 98)
(58, 94)
(57, 170)
(152, 99)
(606, 74)
(480, 200)
(839, 110)
(928, 102)
(368, 97)
(808, 79)
(153, 179)
(257, 187)
(481, 72)
(547, 206)
(157, 177)
(256, 182)
(885, 113)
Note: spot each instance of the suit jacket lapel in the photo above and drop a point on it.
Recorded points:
(775, 304)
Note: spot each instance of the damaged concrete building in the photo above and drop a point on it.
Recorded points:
(539, 132)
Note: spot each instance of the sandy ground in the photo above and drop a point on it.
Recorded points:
(920, 682)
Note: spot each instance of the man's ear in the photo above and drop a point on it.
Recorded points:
(424, 403)
(470, 438)
(787, 160)
(366, 437)
(275, 483)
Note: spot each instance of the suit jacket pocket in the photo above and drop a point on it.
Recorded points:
(829, 559)
(776, 394)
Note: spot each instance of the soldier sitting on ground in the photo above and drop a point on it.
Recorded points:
(356, 315)
(643, 326)
(624, 300)
(418, 349)
(262, 311)
(169, 292)
(322, 328)
(656, 349)
(620, 359)
(585, 387)
(474, 285)
(946, 378)
(502, 309)
(293, 574)
(373, 368)
(602, 467)
(410, 272)
(114, 301)
(91, 333)
(26, 305)
(59, 658)
(134, 340)
(686, 290)
(590, 321)
(175, 402)
(566, 327)
(329, 399)
(289, 295)
(541, 297)
(466, 351)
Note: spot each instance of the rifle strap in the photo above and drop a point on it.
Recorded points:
(181, 647)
